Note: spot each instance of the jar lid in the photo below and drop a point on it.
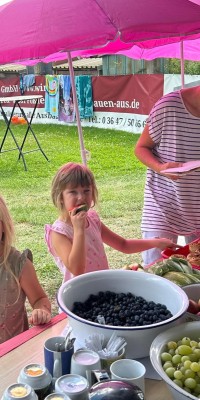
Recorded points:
(57, 396)
(34, 370)
(71, 383)
(19, 391)
(35, 375)
(86, 357)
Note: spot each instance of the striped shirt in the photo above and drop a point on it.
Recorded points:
(173, 206)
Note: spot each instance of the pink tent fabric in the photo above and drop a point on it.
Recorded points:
(191, 51)
(34, 29)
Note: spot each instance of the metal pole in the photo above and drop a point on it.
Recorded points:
(80, 132)
(182, 65)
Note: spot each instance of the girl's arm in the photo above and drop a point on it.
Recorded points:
(72, 254)
(38, 299)
(129, 246)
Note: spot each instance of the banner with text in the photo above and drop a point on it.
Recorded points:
(120, 102)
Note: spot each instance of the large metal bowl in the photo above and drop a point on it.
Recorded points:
(151, 287)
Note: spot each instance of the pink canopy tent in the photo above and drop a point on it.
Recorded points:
(34, 29)
(37, 28)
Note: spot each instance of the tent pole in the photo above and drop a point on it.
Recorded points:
(182, 65)
(80, 132)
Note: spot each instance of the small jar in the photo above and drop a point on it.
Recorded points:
(57, 396)
(74, 386)
(19, 391)
(38, 377)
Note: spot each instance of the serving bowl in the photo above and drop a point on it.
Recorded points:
(187, 329)
(149, 286)
(193, 293)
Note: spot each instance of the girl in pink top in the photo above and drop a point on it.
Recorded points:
(76, 238)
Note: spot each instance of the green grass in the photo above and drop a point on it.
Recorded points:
(119, 177)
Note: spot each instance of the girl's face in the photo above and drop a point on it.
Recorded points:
(75, 196)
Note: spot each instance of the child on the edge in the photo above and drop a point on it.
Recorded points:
(18, 280)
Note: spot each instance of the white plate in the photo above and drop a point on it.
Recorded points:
(185, 169)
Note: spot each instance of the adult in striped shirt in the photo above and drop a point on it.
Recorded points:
(171, 138)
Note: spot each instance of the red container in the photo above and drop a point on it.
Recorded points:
(182, 251)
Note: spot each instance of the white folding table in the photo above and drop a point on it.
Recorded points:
(17, 102)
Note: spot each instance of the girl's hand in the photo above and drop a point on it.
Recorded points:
(162, 243)
(78, 220)
(39, 317)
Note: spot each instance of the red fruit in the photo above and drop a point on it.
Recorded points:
(134, 267)
(193, 307)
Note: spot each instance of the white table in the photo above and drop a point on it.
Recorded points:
(17, 102)
(32, 351)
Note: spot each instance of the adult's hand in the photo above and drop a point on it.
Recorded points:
(171, 164)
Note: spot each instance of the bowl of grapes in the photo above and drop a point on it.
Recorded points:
(175, 355)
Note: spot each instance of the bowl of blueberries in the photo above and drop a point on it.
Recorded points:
(136, 305)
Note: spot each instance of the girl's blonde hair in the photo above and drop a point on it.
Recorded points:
(7, 240)
(73, 175)
(8, 231)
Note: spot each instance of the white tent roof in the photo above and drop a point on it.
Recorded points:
(12, 67)
(82, 63)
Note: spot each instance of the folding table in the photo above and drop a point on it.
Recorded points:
(17, 100)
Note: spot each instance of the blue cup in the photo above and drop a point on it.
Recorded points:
(57, 362)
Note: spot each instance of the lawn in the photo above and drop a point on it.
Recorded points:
(120, 181)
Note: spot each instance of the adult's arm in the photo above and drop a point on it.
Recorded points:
(143, 151)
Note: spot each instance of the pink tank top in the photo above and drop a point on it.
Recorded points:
(95, 254)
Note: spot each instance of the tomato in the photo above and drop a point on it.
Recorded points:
(193, 307)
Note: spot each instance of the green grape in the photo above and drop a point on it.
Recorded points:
(189, 374)
(184, 358)
(197, 352)
(183, 369)
(184, 350)
(190, 383)
(172, 352)
(187, 363)
(172, 345)
(178, 375)
(193, 343)
(195, 366)
(186, 340)
(166, 356)
(170, 372)
(176, 359)
(193, 357)
(178, 382)
(167, 364)
(197, 389)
